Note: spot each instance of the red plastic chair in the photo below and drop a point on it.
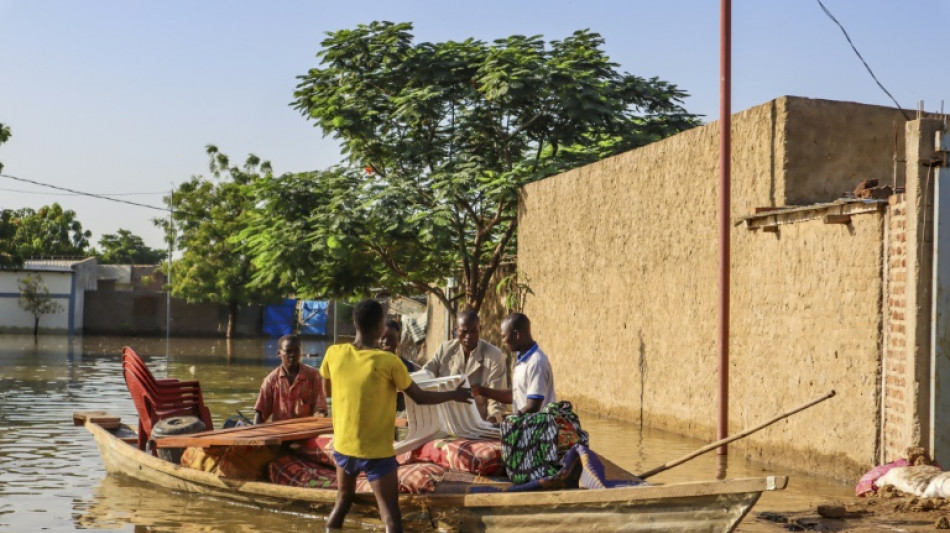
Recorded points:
(160, 393)
(164, 399)
(128, 354)
(156, 399)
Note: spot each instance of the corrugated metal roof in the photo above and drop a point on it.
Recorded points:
(53, 265)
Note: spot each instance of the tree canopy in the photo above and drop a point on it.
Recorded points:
(438, 138)
(206, 213)
(47, 232)
(8, 257)
(127, 248)
(5, 135)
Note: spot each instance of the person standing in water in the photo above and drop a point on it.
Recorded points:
(364, 379)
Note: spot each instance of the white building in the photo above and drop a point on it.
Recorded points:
(67, 281)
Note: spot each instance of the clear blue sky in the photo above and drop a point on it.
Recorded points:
(121, 97)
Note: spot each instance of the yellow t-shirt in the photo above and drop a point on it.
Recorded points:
(364, 384)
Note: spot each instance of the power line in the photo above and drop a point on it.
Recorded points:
(24, 191)
(848, 37)
(81, 193)
(111, 199)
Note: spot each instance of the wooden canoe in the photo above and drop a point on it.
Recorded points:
(707, 507)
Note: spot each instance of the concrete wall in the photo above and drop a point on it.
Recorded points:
(14, 319)
(144, 313)
(84, 279)
(622, 256)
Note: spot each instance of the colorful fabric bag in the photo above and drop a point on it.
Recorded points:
(297, 472)
(317, 449)
(482, 457)
(580, 467)
(533, 444)
(413, 479)
(247, 463)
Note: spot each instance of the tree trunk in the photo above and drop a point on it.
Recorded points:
(36, 327)
(232, 319)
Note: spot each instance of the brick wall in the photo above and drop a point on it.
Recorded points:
(898, 370)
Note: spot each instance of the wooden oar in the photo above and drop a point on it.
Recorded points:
(727, 440)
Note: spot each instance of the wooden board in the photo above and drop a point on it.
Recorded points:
(269, 434)
(102, 418)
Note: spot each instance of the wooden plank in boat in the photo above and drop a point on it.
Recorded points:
(260, 435)
(101, 418)
(456, 482)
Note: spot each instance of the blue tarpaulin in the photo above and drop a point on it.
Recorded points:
(313, 317)
(279, 318)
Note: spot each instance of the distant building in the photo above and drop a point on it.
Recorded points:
(67, 281)
(130, 278)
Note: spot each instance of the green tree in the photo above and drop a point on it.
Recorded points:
(35, 299)
(292, 236)
(126, 248)
(8, 256)
(206, 213)
(48, 231)
(447, 133)
(5, 135)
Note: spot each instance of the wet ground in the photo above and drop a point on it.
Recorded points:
(52, 478)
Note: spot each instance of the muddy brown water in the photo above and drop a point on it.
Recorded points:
(52, 478)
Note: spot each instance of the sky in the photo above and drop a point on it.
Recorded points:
(120, 98)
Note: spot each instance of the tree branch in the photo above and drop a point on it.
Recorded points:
(469, 209)
(495, 261)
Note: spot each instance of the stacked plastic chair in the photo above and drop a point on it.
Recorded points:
(430, 422)
(157, 399)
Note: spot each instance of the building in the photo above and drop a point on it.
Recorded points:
(67, 281)
(831, 289)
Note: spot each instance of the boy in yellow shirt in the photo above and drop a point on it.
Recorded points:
(363, 380)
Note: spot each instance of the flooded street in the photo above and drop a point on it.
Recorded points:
(52, 478)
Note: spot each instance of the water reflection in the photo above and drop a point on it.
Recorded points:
(53, 478)
(118, 502)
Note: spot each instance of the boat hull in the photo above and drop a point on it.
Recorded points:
(704, 507)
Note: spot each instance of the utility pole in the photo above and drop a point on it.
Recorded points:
(168, 275)
(725, 208)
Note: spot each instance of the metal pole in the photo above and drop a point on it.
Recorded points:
(335, 311)
(168, 277)
(725, 209)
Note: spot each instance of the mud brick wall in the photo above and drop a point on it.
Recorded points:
(622, 257)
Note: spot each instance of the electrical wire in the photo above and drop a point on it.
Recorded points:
(111, 199)
(89, 194)
(24, 191)
(866, 66)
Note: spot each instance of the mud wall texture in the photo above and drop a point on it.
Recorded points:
(622, 258)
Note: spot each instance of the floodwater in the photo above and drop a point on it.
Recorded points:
(52, 478)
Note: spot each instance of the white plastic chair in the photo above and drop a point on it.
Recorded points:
(430, 422)
(463, 419)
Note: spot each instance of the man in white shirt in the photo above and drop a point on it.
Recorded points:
(482, 362)
(533, 380)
